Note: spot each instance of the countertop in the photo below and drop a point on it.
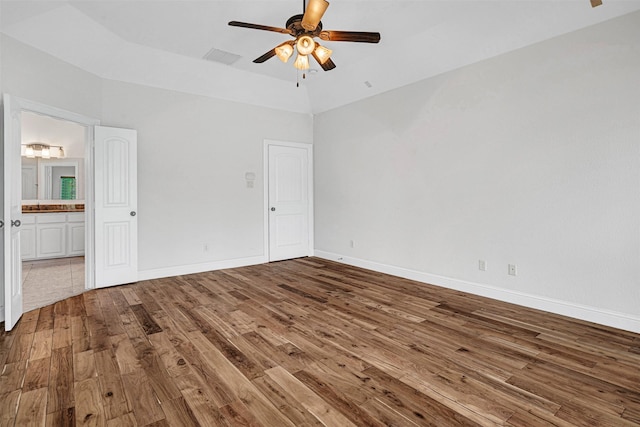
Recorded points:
(28, 209)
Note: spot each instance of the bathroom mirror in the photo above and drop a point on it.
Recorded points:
(51, 180)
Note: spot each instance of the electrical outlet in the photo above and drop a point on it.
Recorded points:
(513, 270)
(205, 247)
(352, 243)
(482, 265)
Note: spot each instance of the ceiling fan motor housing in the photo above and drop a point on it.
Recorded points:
(294, 24)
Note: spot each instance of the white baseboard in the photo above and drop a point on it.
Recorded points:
(158, 273)
(591, 314)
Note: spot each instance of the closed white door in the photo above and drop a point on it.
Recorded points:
(29, 183)
(289, 201)
(116, 224)
(12, 215)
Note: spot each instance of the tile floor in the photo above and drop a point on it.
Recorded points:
(47, 281)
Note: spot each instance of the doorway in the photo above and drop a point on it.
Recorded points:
(52, 238)
(11, 266)
(288, 200)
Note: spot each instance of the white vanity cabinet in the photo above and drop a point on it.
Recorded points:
(28, 237)
(75, 234)
(52, 235)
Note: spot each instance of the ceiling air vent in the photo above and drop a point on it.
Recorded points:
(217, 55)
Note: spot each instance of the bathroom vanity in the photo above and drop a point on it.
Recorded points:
(52, 216)
(52, 234)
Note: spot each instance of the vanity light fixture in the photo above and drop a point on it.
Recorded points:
(45, 151)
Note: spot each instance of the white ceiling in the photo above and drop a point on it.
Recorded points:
(161, 43)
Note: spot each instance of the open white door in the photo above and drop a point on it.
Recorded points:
(116, 225)
(289, 203)
(2, 217)
(12, 215)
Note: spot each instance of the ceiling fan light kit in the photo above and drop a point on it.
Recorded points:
(305, 45)
(322, 54)
(284, 51)
(304, 28)
(302, 62)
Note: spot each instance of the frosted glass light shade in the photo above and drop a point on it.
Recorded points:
(305, 45)
(302, 62)
(313, 14)
(322, 54)
(45, 151)
(284, 52)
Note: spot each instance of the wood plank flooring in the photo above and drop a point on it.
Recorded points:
(309, 342)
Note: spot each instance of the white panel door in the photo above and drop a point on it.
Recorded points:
(3, 229)
(29, 183)
(289, 202)
(116, 225)
(12, 215)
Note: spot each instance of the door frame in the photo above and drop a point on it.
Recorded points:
(265, 152)
(88, 123)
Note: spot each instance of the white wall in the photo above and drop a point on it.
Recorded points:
(531, 158)
(31, 74)
(193, 153)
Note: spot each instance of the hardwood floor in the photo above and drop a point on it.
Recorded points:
(309, 342)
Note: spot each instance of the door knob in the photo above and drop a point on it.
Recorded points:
(273, 209)
(132, 213)
(16, 223)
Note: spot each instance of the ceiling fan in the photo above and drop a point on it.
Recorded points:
(304, 28)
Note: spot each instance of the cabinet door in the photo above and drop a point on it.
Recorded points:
(51, 240)
(28, 242)
(75, 239)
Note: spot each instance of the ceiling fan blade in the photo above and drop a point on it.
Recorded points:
(259, 27)
(313, 14)
(328, 64)
(350, 36)
(270, 54)
(595, 3)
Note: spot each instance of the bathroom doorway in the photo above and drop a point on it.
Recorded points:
(53, 209)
